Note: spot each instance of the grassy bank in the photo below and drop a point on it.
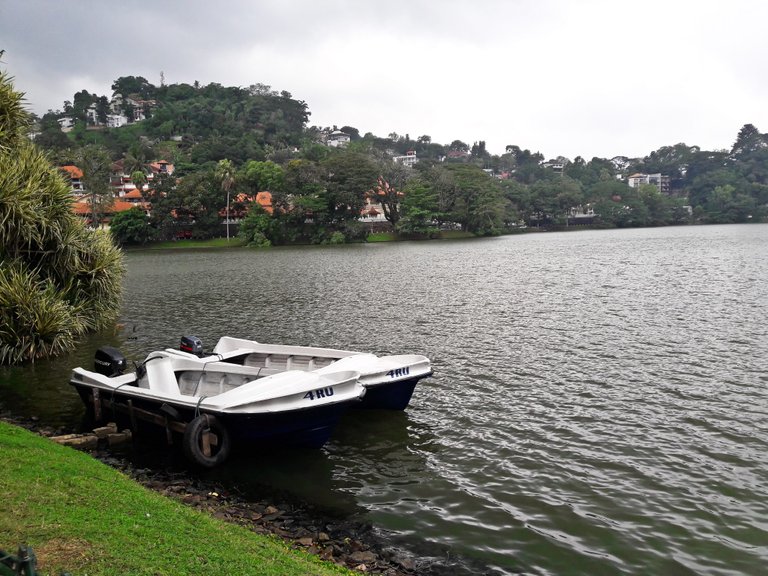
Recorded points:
(212, 243)
(236, 242)
(82, 516)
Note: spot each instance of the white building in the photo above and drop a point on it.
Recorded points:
(66, 123)
(338, 139)
(660, 181)
(408, 160)
(116, 120)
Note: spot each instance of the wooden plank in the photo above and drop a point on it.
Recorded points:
(96, 405)
(140, 413)
(132, 414)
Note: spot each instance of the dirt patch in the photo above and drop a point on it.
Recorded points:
(62, 554)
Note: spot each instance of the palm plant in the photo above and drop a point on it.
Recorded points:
(57, 278)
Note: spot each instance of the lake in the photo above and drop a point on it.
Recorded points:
(599, 403)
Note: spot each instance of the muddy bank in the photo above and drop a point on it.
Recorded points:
(353, 544)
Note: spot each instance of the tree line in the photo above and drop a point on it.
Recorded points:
(229, 143)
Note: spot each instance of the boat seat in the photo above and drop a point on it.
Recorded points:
(265, 360)
(282, 362)
(256, 360)
(161, 377)
(200, 383)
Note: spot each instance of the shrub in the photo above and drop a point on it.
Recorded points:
(57, 278)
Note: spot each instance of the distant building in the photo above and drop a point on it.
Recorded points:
(92, 115)
(66, 123)
(660, 181)
(116, 120)
(338, 139)
(408, 160)
(75, 177)
(556, 166)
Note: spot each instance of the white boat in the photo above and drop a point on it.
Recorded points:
(389, 380)
(212, 402)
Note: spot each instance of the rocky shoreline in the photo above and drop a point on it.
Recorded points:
(349, 543)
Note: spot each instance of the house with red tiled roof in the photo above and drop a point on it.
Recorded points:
(134, 196)
(161, 167)
(240, 204)
(75, 177)
(82, 208)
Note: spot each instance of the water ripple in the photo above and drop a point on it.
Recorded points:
(599, 404)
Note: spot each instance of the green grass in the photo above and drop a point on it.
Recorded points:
(82, 516)
(381, 237)
(212, 243)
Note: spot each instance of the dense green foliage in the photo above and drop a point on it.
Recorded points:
(228, 142)
(57, 278)
(131, 227)
(84, 517)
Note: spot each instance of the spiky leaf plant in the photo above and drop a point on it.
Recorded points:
(57, 278)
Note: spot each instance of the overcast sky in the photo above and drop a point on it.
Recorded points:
(563, 77)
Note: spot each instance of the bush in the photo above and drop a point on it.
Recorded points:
(256, 227)
(131, 227)
(57, 278)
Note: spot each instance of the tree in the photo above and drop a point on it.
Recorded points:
(81, 103)
(418, 209)
(58, 280)
(390, 187)
(607, 199)
(479, 206)
(162, 196)
(139, 178)
(553, 199)
(102, 110)
(658, 206)
(138, 85)
(726, 205)
(748, 140)
(95, 163)
(350, 176)
(255, 228)
(352, 132)
(197, 202)
(131, 227)
(458, 146)
(262, 176)
(51, 137)
(478, 150)
(301, 207)
(225, 175)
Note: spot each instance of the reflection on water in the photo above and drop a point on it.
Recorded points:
(599, 403)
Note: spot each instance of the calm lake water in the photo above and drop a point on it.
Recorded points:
(599, 403)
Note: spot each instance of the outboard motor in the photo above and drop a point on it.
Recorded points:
(109, 361)
(193, 345)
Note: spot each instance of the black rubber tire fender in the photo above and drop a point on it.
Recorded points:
(194, 441)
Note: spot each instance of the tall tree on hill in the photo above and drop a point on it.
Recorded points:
(418, 209)
(95, 163)
(138, 85)
(390, 189)
(748, 140)
(225, 176)
(480, 205)
(350, 177)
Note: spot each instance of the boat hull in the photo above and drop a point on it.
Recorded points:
(306, 428)
(389, 396)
